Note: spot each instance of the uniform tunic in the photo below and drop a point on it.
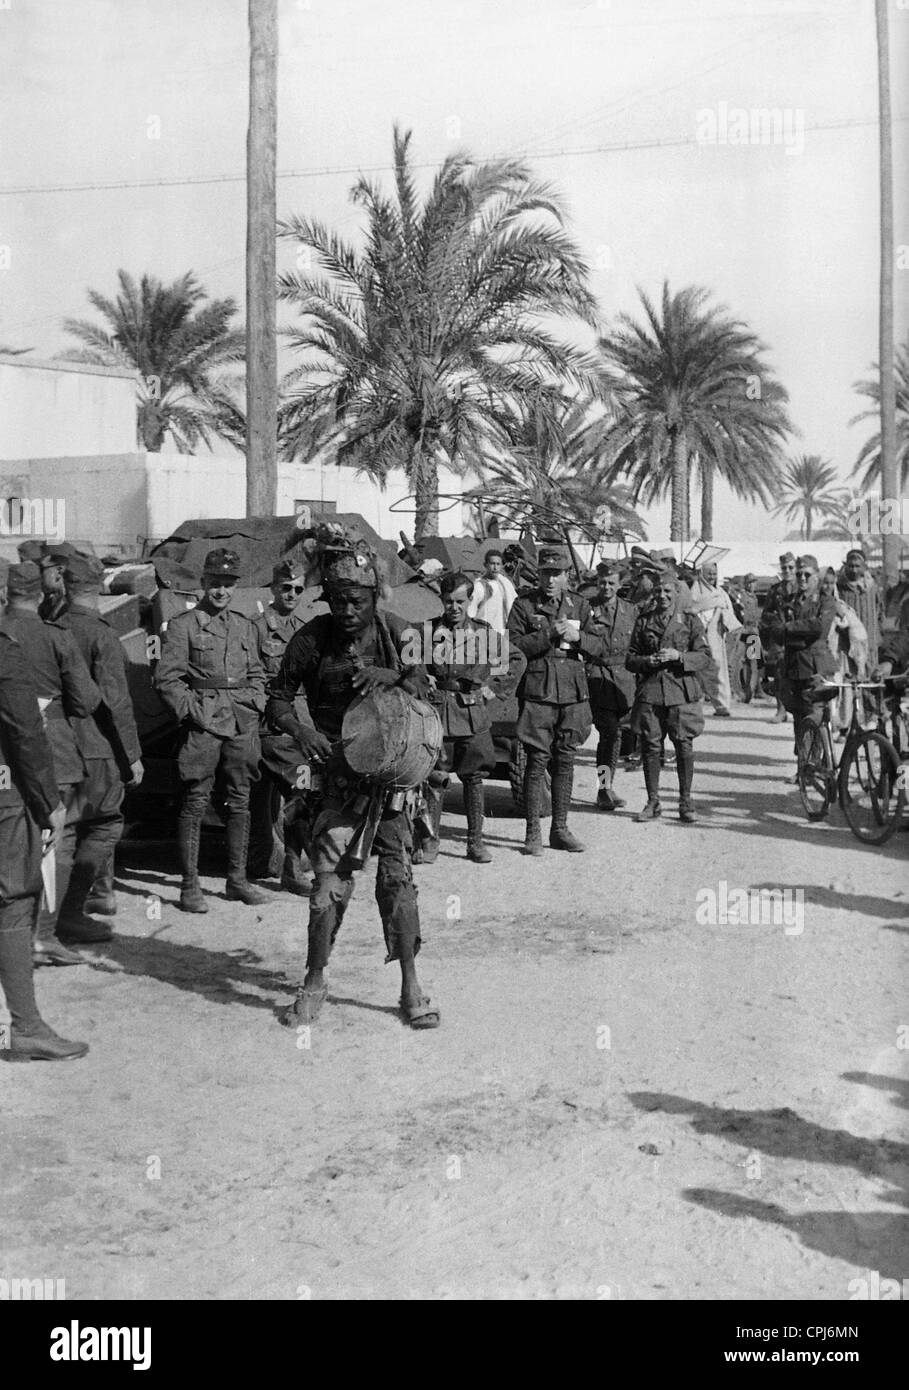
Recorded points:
(553, 694)
(280, 755)
(210, 676)
(465, 713)
(611, 684)
(806, 651)
(28, 793)
(668, 698)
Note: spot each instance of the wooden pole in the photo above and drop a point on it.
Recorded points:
(261, 218)
(889, 482)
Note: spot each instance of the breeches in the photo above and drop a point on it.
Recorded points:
(551, 728)
(204, 755)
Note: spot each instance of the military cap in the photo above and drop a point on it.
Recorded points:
(352, 569)
(788, 558)
(749, 579)
(554, 557)
(57, 553)
(84, 574)
(24, 581)
(287, 571)
(856, 550)
(807, 562)
(31, 550)
(664, 557)
(609, 567)
(222, 564)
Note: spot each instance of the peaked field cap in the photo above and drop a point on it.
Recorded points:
(787, 558)
(664, 557)
(609, 567)
(554, 557)
(286, 570)
(57, 553)
(31, 550)
(84, 572)
(24, 580)
(807, 562)
(222, 564)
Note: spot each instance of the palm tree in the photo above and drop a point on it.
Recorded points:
(807, 492)
(870, 457)
(691, 389)
(838, 518)
(550, 476)
(417, 348)
(177, 345)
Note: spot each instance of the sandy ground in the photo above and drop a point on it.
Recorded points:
(622, 1101)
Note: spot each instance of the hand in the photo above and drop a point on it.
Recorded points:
(666, 654)
(568, 628)
(372, 677)
(55, 831)
(486, 694)
(137, 772)
(312, 744)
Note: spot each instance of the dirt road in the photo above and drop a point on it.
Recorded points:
(625, 1100)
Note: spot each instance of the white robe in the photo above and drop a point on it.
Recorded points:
(714, 608)
(491, 600)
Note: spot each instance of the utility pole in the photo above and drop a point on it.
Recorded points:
(891, 544)
(261, 218)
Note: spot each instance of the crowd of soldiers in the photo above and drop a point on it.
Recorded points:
(633, 649)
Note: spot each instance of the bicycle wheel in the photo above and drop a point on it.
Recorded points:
(869, 788)
(816, 772)
(746, 680)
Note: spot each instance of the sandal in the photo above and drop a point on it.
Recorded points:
(424, 1014)
(306, 1007)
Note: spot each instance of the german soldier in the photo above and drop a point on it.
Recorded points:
(611, 684)
(210, 676)
(803, 637)
(29, 805)
(280, 765)
(777, 609)
(333, 659)
(553, 629)
(668, 650)
(465, 650)
(108, 744)
(65, 691)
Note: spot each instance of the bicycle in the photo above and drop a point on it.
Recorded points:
(866, 782)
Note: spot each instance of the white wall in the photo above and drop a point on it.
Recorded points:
(55, 409)
(351, 492)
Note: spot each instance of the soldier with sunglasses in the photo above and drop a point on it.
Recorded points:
(280, 766)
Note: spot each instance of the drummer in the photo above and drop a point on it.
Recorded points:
(337, 656)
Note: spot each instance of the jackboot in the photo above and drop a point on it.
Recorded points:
(534, 778)
(653, 809)
(685, 768)
(73, 925)
(31, 1039)
(102, 899)
(189, 832)
(474, 807)
(560, 837)
(238, 887)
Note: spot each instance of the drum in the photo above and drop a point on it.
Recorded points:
(391, 737)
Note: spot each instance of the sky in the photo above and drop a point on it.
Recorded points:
(605, 100)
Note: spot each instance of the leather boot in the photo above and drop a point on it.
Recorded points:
(560, 837)
(653, 809)
(189, 832)
(238, 887)
(30, 1038)
(685, 769)
(102, 899)
(474, 808)
(534, 777)
(74, 926)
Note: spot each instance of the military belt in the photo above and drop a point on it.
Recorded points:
(226, 684)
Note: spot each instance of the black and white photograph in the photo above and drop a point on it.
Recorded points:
(454, 660)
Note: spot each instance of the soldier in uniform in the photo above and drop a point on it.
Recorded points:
(65, 692)
(803, 637)
(51, 557)
(280, 765)
(210, 676)
(29, 805)
(611, 684)
(777, 609)
(553, 630)
(465, 649)
(108, 744)
(334, 658)
(667, 653)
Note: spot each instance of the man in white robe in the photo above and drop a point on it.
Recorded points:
(493, 593)
(714, 608)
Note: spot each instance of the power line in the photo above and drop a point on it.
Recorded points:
(332, 170)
